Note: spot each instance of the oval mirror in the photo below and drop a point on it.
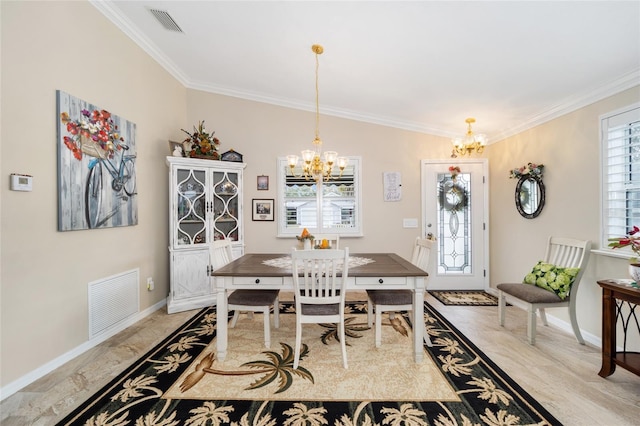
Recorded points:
(529, 196)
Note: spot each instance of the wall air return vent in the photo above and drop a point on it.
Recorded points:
(166, 20)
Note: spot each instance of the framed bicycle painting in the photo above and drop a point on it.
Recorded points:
(96, 167)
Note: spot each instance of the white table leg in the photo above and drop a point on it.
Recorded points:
(418, 319)
(221, 324)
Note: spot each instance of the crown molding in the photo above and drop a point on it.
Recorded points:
(325, 110)
(579, 100)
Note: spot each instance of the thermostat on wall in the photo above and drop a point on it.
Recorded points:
(21, 182)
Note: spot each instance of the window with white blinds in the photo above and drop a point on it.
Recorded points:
(331, 206)
(620, 172)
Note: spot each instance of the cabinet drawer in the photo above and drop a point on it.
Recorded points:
(381, 281)
(272, 281)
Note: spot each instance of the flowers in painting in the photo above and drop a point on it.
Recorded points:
(531, 169)
(201, 143)
(631, 240)
(95, 127)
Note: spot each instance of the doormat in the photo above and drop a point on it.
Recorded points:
(465, 297)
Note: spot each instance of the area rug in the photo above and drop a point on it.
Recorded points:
(465, 297)
(180, 382)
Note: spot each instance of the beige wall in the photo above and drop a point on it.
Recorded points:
(262, 133)
(569, 147)
(70, 46)
(44, 273)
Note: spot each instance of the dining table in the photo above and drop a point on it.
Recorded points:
(366, 271)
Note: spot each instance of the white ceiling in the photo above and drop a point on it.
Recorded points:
(421, 65)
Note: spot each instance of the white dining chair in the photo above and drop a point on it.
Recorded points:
(319, 280)
(391, 301)
(253, 301)
(333, 239)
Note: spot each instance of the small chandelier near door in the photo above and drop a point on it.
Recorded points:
(469, 143)
(313, 166)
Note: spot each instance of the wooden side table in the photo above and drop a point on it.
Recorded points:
(614, 296)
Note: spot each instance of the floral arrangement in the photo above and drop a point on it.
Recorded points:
(631, 240)
(95, 127)
(201, 143)
(530, 169)
(305, 235)
(455, 171)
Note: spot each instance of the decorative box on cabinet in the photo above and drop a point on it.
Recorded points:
(205, 204)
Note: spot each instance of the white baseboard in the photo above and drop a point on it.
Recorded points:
(45, 369)
(566, 326)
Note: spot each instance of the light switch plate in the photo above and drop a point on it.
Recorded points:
(410, 223)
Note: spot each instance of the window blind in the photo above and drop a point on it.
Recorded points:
(621, 172)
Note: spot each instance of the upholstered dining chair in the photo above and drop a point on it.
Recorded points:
(560, 253)
(220, 254)
(333, 239)
(319, 281)
(391, 301)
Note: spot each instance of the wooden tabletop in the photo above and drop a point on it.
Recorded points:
(383, 265)
(620, 287)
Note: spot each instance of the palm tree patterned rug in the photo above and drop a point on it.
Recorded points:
(180, 381)
(465, 297)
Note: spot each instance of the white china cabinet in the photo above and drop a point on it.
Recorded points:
(205, 204)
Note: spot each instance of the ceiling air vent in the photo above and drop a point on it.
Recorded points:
(166, 20)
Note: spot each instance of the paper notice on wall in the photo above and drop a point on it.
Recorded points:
(392, 186)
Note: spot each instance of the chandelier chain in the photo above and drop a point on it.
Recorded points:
(317, 165)
(317, 51)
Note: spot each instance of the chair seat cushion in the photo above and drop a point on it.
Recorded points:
(391, 297)
(529, 293)
(253, 297)
(311, 309)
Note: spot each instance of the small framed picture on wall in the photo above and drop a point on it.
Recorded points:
(262, 209)
(263, 183)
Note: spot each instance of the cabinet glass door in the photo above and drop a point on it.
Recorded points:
(191, 224)
(225, 206)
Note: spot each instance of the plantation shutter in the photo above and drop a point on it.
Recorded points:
(621, 172)
(332, 206)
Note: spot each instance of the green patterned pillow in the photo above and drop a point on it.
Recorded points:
(553, 278)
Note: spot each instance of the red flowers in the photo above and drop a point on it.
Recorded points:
(95, 126)
(455, 171)
(629, 240)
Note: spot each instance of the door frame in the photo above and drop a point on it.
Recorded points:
(485, 171)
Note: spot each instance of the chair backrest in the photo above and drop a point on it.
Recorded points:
(320, 276)
(421, 253)
(220, 253)
(333, 239)
(569, 253)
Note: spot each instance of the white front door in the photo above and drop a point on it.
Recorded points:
(455, 211)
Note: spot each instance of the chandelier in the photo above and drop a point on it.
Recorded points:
(313, 164)
(469, 143)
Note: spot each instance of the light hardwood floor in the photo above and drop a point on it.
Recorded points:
(561, 374)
